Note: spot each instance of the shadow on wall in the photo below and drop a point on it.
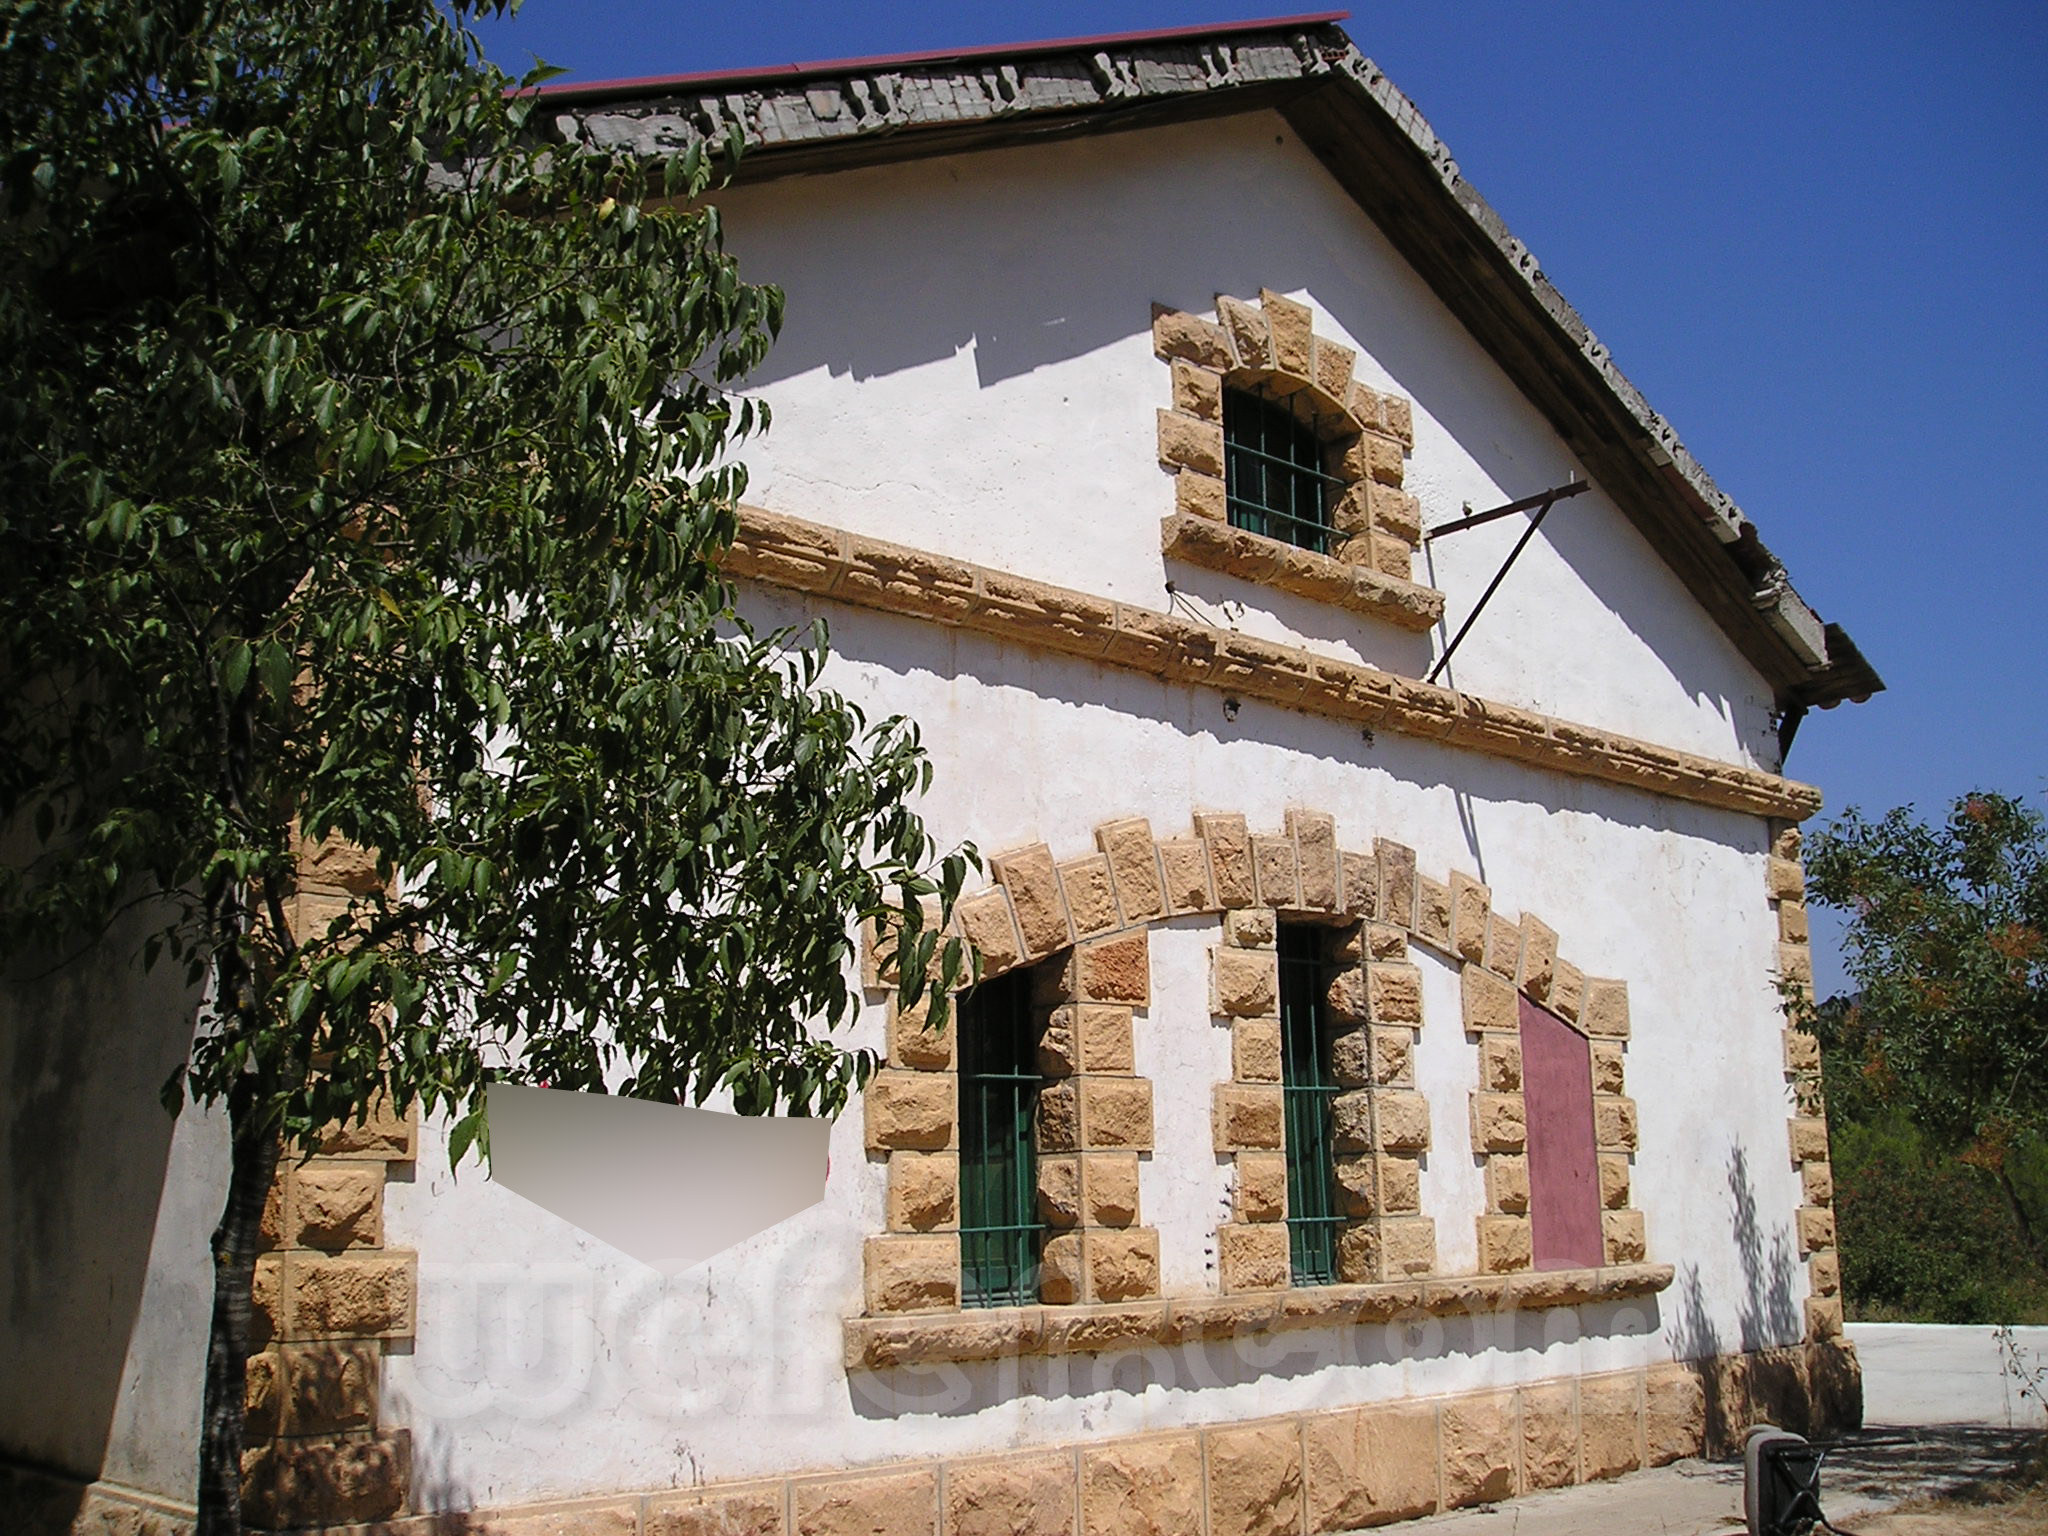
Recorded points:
(1770, 1386)
(956, 1390)
(1175, 216)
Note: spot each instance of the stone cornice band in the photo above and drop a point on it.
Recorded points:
(876, 1343)
(894, 578)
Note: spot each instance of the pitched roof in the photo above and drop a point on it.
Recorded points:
(1375, 144)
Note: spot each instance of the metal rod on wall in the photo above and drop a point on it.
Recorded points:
(1543, 504)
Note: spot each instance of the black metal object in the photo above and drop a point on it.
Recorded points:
(1543, 501)
(1781, 1484)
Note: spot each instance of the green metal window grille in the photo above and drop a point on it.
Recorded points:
(1313, 1213)
(1274, 480)
(998, 1178)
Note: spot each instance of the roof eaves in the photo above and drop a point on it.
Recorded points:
(798, 115)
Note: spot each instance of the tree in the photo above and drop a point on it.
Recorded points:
(1945, 944)
(366, 479)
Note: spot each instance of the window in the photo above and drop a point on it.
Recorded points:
(999, 1227)
(1274, 480)
(1564, 1175)
(1307, 1087)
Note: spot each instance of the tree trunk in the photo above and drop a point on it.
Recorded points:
(2020, 1218)
(235, 1241)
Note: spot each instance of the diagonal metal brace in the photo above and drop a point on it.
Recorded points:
(1542, 501)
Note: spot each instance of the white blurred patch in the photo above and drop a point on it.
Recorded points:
(668, 1184)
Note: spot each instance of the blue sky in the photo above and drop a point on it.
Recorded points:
(1812, 234)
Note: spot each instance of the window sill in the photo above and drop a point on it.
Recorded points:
(877, 1343)
(1253, 557)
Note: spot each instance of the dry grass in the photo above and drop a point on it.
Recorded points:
(2014, 1506)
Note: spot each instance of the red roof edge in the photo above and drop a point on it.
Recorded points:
(785, 73)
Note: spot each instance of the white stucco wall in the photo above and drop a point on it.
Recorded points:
(967, 366)
(547, 1365)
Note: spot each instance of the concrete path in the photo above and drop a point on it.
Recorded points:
(1940, 1373)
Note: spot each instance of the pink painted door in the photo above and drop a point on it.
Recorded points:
(1564, 1179)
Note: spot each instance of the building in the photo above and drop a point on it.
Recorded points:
(1379, 1097)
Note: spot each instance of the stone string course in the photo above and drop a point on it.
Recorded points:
(1272, 350)
(1082, 925)
(1809, 1124)
(1297, 1475)
(894, 578)
(330, 1297)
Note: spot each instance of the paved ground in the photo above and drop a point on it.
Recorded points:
(1941, 1417)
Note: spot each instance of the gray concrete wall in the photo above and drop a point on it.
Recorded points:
(1945, 1373)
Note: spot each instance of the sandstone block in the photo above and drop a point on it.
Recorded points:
(912, 1274)
(1261, 1186)
(1816, 1229)
(1062, 1273)
(1059, 1190)
(1255, 1480)
(1403, 1121)
(1253, 1257)
(1539, 957)
(1818, 1179)
(1401, 1186)
(1176, 334)
(1503, 947)
(1614, 1180)
(1395, 993)
(1250, 928)
(1622, 1236)
(1089, 896)
(1245, 324)
(1230, 858)
(1255, 1050)
(1614, 1123)
(327, 1482)
(360, 1295)
(1116, 1112)
(1823, 1317)
(878, 1503)
(1786, 881)
(751, 1511)
(1025, 1496)
(1332, 369)
(1507, 1183)
(1033, 882)
(1059, 1052)
(1351, 1057)
(986, 923)
(1504, 1245)
(1357, 1186)
(383, 1134)
(1291, 328)
(1824, 1273)
(1674, 1414)
(1793, 927)
(910, 1110)
(1786, 841)
(1395, 510)
(924, 1191)
(1383, 941)
(338, 1207)
(1802, 1051)
(1247, 982)
(1550, 1437)
(1400, 418)
(1274, 868)
(1358, 1254)
(1134, 863)
(1392, 557)
(1795, 964)
(1123, 1263)
(1197, 391)
(1346, 995)
(1609, 1423)
(1393, 1049)
(1371, 1466)
(1184, 864)
(914, 1043)
(1605, 1009)
(1190, 444)
(1059, 1118)
(1490, 1003)
(1199, 495)
(1471, 906)
(1407, 1247)
(1479, 1449)
(1397, 882)
(1142, 1487)
(1608, 1067)
(1434, 912)
(1500, 1063)
(1567, 990)
(1315, 846)
(1351, 1121)
(1102, 1031)
(1499, 1123)
(1809, 1140)
(1361, 884)
(327, 1388)
(1248, 1118)
(1116, 970)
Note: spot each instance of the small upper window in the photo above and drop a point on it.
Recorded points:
(999, 1225)
(1275, 480)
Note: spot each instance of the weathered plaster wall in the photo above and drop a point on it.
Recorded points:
(106, 1205)
(967, 365)
(546, 1365)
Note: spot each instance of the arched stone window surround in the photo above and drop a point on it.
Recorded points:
(1270, 349)
(1083, 923)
